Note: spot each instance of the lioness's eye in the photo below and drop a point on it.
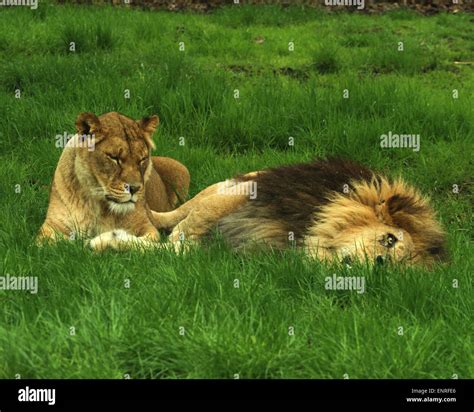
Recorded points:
(144, 159)
(114, 158)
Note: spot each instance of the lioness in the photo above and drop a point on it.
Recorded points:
(333, 209)
(106, 182)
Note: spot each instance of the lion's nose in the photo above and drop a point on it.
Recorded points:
(134, 187)
(379, 260)
(347, 260)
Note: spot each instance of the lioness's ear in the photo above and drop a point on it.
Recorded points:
(87, 123)
(148, 125)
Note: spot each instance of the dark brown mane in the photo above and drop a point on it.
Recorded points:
(291, 194)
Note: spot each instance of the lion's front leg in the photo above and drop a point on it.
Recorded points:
(168, 220)
(203, 218)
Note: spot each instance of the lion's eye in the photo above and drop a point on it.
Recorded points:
(389, 240)
(144, 159)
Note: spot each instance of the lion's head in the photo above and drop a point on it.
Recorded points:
(383, 220)
(116, 169)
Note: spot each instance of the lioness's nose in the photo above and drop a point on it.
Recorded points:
(134, 187)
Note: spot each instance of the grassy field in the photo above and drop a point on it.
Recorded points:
(182, 316)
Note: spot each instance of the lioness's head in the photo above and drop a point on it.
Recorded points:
(117, 168)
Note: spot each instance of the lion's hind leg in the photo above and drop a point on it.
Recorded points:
(203, 217)
(168, 220)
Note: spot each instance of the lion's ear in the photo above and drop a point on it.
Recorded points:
(87, 124)
(148, 125)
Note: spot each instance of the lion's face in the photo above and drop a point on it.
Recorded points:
(402, 228)
(377, 243)
(117, 169)
(381, 222)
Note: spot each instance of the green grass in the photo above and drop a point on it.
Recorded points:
(283, 94)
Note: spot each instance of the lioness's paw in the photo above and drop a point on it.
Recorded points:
(115, 239)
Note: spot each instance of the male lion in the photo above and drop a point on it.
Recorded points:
(333, 209)
(106, 182)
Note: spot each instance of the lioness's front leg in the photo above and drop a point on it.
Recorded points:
(50, 234)
(120, 239)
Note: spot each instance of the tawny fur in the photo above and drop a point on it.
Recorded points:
(333, 209)
(106, 182)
